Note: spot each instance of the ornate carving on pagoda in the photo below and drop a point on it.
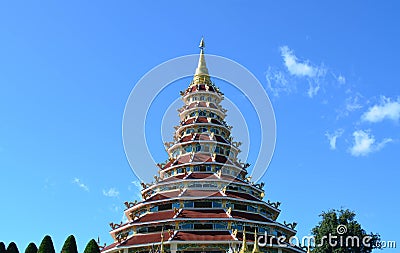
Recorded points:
(274, 204)
(234, 232)
(290, 225)
(229, 211)
(156, 178)
(130, 204)
(236, 144)
(168, 144)
(260, 185)
(115, 225)
(161, 165)
(121, 236)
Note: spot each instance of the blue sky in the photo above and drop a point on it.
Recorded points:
(66, 71)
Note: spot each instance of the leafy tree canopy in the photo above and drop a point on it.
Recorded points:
(31, 248)
(70, 245)
(339, 232)
(12, 248)
(46, 246)
(92, 247)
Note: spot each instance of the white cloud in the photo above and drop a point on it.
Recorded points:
(277, 82)
(303, 69)
(353, 103)
(294, 66)
(365, 143)
(387, 109)
(341, 79)
(112, 192)
(332, 137)
(78, 182)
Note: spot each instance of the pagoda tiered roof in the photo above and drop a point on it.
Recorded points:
(202, 200)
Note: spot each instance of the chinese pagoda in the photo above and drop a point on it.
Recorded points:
(202, 200)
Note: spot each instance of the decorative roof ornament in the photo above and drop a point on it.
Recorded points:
(201, 75)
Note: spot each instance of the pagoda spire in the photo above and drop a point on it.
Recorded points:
(243, 249)
(201, 75)
(256, 249)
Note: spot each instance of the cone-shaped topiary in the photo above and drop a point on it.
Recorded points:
(70, 245)
(92, 247)
(46, 246)
(31, 248)
(12, 248)
(2, 247)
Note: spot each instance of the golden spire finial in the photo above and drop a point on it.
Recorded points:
(201, 69)
(202, 45)
(162, 241)
(256, 249)
(243, 249)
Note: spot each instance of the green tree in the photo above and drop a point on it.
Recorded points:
(2, 247)
(92, 247)
(46, 246)
(339, 232)
(31, 248)
(70, 245)
(12, 248)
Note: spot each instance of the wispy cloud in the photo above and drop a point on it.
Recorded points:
(341, 79)
(138, 187)
(354, 102)
(112, 192)
(332, 137)
(79, 183)
(278, 83)
(387, 109)
(365, 143)
(303, 68)
(297, 67)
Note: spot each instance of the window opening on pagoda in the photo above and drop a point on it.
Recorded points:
(189, 130)
(208, 168)
(179, 170)
(202, 130)
(214, 130)
(188, 148)
(167, 206)
(219, 226)
(216, 204)
(252, 209)
(196, 168)
(187, 169)
(202, 204)
(206, 226)
(202, 98)
(240, 207)
(202, 113)
(188, 204)
(198, 147)
(186, 226)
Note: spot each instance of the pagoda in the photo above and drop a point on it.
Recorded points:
(202, 199)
